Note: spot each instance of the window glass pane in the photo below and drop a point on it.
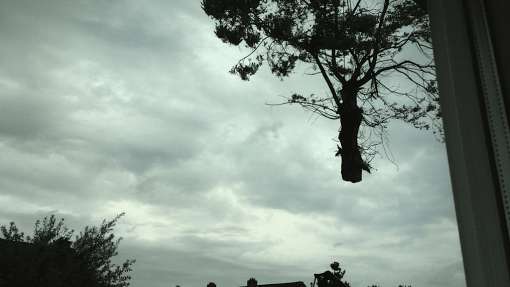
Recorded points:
(123, 106)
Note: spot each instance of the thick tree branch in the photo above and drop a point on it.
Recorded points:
(355, 8)
(376, 48)
(326, 78)
(333, 51)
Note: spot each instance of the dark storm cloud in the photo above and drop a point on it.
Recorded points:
(110, 106)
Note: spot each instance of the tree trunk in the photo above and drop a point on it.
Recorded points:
(350, 119)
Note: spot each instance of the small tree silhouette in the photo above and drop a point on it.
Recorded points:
(332, 279)
(335, 278)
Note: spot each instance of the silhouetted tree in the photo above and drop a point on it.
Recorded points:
(375, 57)
(332, 279)
(94, 247)
(335, 278)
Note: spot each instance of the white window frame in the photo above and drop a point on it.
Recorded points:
(477, 136)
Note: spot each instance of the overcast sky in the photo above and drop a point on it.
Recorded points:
(127, 105)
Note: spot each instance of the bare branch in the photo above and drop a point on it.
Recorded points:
(315, 107)
(254, 49)
(407, 64)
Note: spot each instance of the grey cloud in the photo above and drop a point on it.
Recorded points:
(106, 102)
(165, 266)
(23, 116)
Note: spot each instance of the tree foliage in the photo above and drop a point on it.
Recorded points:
(94, 246)
(374, 56)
